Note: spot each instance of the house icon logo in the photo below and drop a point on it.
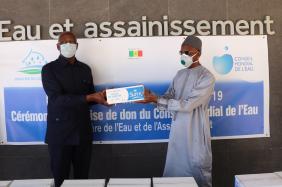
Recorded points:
(33, 63)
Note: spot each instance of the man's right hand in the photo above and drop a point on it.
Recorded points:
(98, 97)
(149, 97)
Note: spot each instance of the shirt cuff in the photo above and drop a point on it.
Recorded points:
(173, 105)
(161, 103)
(83, 100)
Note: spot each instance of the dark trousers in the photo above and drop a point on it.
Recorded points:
(63, 156)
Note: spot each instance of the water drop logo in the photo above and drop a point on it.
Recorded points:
(223, 64)
(33, 63)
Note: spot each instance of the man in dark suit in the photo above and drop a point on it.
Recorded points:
(69, 86)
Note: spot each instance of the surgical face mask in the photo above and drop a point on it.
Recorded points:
(186, 60)
(68, 49)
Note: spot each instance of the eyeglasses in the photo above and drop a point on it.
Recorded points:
(189, 53)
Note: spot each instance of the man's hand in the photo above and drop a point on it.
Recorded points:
(149, 97)
(98, 97)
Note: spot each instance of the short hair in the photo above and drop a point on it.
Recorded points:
(66, 33)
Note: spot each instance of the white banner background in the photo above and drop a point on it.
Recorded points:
(113, 64)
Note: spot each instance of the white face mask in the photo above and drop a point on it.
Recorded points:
(186, 60)
(68, 49)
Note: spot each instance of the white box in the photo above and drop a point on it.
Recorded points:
(258, 180)
(84, 183)
(125, 94)
(176, 185)
(174, 182)
(129, 185)
(279, 173)
(32, 183)
(5, 183)
(129, 182)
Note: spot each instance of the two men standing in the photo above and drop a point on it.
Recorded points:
(69, 86)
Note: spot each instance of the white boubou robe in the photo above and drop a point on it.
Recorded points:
(189, 148)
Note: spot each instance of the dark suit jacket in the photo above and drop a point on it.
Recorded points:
(66, 85)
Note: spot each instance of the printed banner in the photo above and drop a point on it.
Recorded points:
(239, 107)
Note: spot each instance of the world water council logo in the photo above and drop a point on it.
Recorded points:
(33, 63)
(223, 64)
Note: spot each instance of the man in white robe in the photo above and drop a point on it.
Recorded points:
(189, 148)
